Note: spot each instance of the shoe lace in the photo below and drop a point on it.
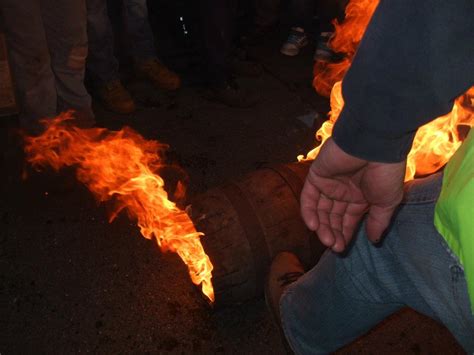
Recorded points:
(296, 37)
(289, 278)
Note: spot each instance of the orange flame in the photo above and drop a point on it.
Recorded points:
(346, 39)
(121, 165)
(434, 143)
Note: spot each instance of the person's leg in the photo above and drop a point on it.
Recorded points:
(429, 263)
(138, 28)
(217, 32)
(143, 49)
(265, 21)
(30, 60)
(338, 300)
(216, 19)
(266, 13)
(302, 12)
(344, 296)
(102, 66)
(65, 23)
(328, 11)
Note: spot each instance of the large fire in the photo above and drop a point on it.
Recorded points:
(434, 143)
(122, 165)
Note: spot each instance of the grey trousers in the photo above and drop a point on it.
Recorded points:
(47, 41)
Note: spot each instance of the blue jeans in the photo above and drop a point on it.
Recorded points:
(344, 296)
(101, 62)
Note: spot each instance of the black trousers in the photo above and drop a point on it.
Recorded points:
(302, 12)
(218, 26)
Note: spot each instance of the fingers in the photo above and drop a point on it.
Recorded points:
(325, 230)
(331, 216)
(344, 220)
(354, 214)
(378, 221)
(315, 212)
(309, 202)
(336, 218)
(333, 220)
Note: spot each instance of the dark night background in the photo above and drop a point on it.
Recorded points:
(71, 282)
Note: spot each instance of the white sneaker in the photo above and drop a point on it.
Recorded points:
(297, 39)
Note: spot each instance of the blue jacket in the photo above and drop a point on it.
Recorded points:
(416, 57)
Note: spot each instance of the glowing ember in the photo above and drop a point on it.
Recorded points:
(434, 143)
(121, 165)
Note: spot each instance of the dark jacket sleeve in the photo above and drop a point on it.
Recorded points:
(415, 58)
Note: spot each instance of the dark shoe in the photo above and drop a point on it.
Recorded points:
(284, 270)
(158, 74)
(116, 98)
(233, 96)
(324, 52)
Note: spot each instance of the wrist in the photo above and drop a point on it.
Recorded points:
(359, 141)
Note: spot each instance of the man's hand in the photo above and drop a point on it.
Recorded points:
(340, 189)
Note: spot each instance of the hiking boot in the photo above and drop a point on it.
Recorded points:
(232, 96)
(158, 74)
(284, 270)
(297, 39)
(116, 98)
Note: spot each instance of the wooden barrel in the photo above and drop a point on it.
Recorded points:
(247, 222)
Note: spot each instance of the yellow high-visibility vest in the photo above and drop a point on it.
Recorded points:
(454, 213)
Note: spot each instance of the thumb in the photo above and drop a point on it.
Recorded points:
(378, 220)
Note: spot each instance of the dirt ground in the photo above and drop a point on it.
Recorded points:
(70, 282)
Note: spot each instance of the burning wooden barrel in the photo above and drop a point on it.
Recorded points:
(248, 221)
